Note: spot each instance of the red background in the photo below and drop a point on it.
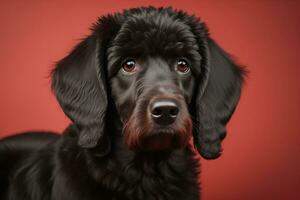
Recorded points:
(261, 152)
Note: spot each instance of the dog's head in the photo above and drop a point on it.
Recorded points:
(167, 79)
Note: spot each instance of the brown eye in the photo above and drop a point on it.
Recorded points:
(182, 66)
(129, 66)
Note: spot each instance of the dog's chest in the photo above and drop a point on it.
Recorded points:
(137, 185)
(167, 179)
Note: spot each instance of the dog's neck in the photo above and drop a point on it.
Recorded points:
(129, 170)
(121, 157)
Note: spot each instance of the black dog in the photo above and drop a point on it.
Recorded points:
(137, 89)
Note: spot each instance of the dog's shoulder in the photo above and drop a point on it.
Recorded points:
(50, 171)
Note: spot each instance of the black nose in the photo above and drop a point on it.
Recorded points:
(164, 112)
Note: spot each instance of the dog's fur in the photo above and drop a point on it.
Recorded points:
(113, 150)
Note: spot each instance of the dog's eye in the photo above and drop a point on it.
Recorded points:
(182, 66)
(129, 66)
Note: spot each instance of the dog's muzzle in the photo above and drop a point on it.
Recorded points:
(160, 121)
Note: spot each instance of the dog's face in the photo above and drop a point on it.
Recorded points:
(167, 79)
(152, 76)
(155, 93)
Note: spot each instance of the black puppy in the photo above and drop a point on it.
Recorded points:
(137, 89)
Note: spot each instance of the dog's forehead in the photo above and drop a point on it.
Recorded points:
(153, 35)
(156, 34)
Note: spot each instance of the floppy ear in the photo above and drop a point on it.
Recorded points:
(79, 83)
(216, 100)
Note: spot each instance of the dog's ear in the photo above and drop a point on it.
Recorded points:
(218, 94)
(79, 83)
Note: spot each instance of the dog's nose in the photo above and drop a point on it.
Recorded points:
(164, 112)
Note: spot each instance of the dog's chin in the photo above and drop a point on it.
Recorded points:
(162, 142)
(158, 143)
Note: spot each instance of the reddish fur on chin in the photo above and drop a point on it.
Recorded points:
(140, 138)
(159, 142)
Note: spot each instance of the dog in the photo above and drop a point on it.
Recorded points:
(145, 91)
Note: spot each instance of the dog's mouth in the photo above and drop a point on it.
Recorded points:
(158, 125)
